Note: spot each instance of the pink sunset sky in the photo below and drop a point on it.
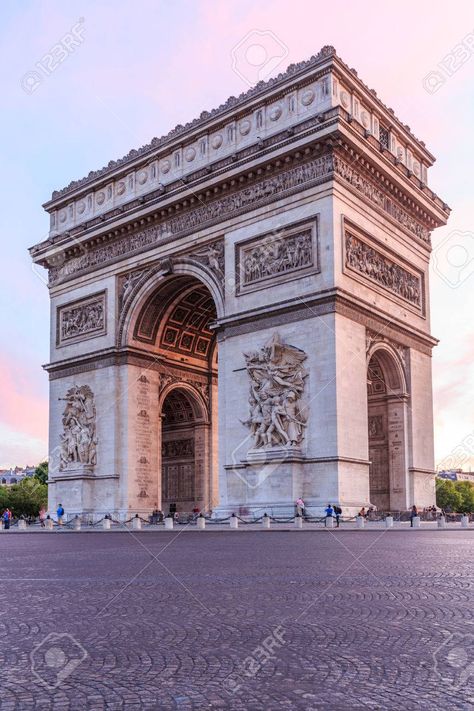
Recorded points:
(144, 67)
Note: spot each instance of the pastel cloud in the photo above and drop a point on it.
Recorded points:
(142, 70)
(24, 399)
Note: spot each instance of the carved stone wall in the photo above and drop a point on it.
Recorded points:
(277, 380)
(183, 377)
(379, 198)
(279, 256)
(212, 256)
(377, 267)
(143, 440)
(78, 439)
(259, 192)
(178, 448)
(81, 319)
(191, 219)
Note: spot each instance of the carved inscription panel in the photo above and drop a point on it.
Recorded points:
(143, 440)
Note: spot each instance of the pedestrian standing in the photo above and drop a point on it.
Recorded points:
(42, 516)
(413, 514)
(299, 507)
(329, 513)
(7, 516)
(60, 514)
(338, 512)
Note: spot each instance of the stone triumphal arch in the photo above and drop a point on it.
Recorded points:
(240, 310)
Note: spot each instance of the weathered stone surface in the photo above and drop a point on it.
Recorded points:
(303, 223)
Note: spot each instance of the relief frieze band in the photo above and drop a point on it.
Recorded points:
(256, 194)
(82, 319)
(217, 210)
(377, 267)
(379, 198)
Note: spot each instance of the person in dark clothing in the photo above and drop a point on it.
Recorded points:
(413, 514)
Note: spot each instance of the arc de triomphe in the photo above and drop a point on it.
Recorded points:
(240, 310)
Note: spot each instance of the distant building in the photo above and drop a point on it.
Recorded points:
(456, 475)
(15, 475)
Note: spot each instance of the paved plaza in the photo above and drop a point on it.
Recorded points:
(248, 620)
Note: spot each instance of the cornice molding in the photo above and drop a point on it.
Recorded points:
(294, 75)
(280, 178)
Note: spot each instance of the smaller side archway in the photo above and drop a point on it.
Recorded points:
(387, 399)
(185, 450)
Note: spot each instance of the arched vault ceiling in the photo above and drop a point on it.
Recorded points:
(177, 318)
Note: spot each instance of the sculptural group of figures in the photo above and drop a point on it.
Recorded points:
(278, 256)
(277, 380)
(82, 319)
(78, 440)
(374, 265)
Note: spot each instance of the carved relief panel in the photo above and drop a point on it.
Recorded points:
(370, 264)
(277, 256)
(78, 439)
(82, 319)
(277, 381)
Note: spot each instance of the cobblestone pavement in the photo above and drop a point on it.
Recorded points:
(237, 620)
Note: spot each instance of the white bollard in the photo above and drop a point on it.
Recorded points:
(22, 524)
(201, 523)
(77, 524)
(106, 524)
(136, 523)
(266, 521)
(299, 522)
(416, 522)
(329, 522)
(464, 521)
(360, 521)
(169, 523)
(48, 524)
(234, 522)
(442, 522)
(1, 524)
(389, 522)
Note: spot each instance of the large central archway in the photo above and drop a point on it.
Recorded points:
(172, 323)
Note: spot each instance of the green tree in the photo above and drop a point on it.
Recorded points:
(28, 497)
(447, 496)
(466, 492)
(41, 472)
(4, 498)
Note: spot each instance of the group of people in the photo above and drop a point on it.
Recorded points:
(6, 518)
(367, 514)
(330, 511)
(333, 512)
